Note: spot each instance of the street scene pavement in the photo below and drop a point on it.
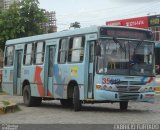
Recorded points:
(52, 112)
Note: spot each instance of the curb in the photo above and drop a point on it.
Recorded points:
(11, 107)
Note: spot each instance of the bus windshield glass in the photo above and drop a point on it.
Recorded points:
(126, 57)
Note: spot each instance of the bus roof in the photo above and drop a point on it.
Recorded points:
(91, 29)
(48, 36)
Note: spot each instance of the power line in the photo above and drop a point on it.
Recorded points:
(141, 8)
(88, 11)
(127, 11)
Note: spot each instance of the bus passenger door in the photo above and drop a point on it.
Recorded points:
(90, 69)
(17, 86)
(51, 59)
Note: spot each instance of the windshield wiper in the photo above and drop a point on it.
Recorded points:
(121, 47)
(138, 45)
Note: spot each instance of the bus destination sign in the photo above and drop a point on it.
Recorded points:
(126, 33)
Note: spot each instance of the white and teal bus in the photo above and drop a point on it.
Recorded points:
(90, 65)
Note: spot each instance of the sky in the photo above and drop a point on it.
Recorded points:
(97, 12)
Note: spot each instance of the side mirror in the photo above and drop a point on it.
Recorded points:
(98, 50)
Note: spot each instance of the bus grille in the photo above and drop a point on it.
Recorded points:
(129, 88)
(128, 96)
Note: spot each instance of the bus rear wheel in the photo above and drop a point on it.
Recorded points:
(76, 99)
(28, 99)
(123, 105)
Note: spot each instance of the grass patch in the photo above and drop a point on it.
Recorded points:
(5, 103)
(9, 107)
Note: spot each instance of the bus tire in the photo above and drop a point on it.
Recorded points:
(66, 102)
(76, 99)
(27, 98)
(123, 105)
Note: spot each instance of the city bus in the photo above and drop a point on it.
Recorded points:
(97, 64)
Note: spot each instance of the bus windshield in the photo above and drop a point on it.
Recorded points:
(125, 57)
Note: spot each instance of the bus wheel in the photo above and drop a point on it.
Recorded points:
(123, 105)
(66, 102)
(27, 98)
(76, 101)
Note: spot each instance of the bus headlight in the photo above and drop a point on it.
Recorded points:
(146, 89)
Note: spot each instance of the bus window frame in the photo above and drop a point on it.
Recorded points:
(35, 53)
(6, 56)
(81, 49)
(63, 50)
(31, 54)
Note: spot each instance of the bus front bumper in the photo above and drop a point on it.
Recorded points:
(103, 95)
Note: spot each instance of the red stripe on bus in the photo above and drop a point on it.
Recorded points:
(150, 80)
(49, 93)
(38, 80)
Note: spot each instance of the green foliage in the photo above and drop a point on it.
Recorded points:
(32, 16)
(75, 25)
(22, 19)
(9, 24)
(5, 103)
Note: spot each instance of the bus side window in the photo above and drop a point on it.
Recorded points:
(28, 54)
(39, 52)
(63, 48)
(76, 49)
(9, 56)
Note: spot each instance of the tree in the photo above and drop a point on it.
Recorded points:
(75, 25)
(9, 24)
(31, 17)
(22, 19)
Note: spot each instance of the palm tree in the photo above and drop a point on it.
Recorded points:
(75, 25)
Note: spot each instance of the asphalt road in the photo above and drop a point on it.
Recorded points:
(52, 112)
